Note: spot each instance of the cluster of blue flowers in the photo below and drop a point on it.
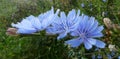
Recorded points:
(83, 28)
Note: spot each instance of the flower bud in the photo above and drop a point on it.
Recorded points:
(12, 32)
(107, 23)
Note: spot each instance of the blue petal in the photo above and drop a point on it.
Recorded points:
(95, 35)
(72, 18)
(71, 15)
(24, 23)
(87, 44)
(62, 35)
(16, 25)
(63, 19)
(57, 20)
(57, 11)
(74, 42)
(50, 18)
(75, 33)
(88, 23)
(63, 16)
(83, 23)
(93, 27)
(36, 23)
(41, 17)
(26, 31)
(76, 25)
(46, 22)
(52, 30)
(97, 30)
(100, 44)
(29, 18)
(91, 23)
(76, 18)
(91, 41)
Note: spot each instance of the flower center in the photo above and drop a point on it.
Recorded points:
(82, 35)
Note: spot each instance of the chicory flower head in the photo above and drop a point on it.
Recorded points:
(86, 33)
(25, 26)
(64, 24)
(33, 24)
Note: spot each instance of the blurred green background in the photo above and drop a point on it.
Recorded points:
(47, 47)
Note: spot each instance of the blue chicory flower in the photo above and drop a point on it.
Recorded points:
(25, 26)
(33, 24)
(64, 24)
(87, 30)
